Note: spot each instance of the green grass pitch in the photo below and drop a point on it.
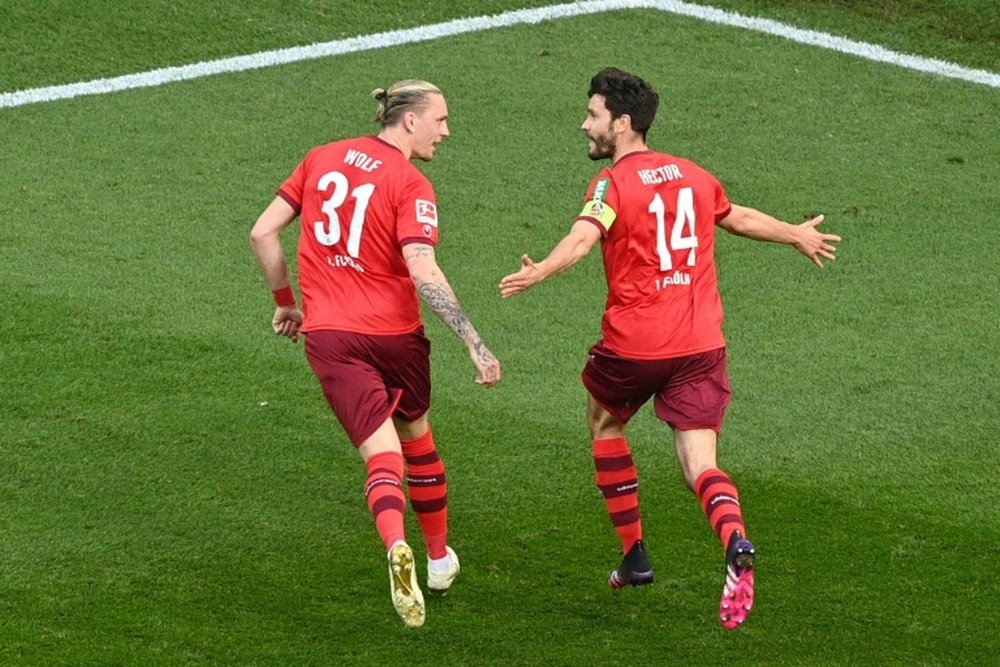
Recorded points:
(174, 490)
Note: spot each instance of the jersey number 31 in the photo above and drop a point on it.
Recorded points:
(328, 233)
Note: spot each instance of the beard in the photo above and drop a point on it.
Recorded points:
(604, 147)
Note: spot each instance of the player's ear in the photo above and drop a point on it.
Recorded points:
(623, 123)
(410, 121)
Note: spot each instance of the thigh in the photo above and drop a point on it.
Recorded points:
(404, 362)
(352, 385)
(697, 393)
(619, 385)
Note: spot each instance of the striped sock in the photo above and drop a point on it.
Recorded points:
(428, 489)
(384, 493)
(721, 502)
(619, 483)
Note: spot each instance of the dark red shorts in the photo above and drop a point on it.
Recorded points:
(366, 379)
(691, 392)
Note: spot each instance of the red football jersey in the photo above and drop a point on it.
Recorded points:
(360, 201)
(657, 214)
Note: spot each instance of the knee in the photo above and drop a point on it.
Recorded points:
(603, 424)
(411, 430)
(695, 453)
(603, 429)
(693, 472)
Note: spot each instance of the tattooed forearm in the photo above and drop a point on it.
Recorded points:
(483, 354)
(433, 288)
(442, 300)
(416, 251)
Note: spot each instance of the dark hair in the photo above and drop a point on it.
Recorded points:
(626, 93)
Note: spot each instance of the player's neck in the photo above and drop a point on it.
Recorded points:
(628, 146)
(391, 136)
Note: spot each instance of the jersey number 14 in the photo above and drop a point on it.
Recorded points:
(682, 234)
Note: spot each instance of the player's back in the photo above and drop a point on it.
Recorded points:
(663, 296)
(361, 200)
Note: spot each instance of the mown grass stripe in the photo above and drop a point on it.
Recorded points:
(380, 40)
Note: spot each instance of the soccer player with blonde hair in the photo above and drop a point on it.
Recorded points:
(369, 226)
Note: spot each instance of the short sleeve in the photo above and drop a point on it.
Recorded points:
(722, 204)
(291, 189)
(417, 214)
(601, 204)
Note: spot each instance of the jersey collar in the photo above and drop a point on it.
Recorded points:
(385, 143)
(644, 151)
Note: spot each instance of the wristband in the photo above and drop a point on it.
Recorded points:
(284, 297)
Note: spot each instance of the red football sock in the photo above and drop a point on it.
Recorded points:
(721, 502)
(384, 493)
(618, 481)
(428, 489)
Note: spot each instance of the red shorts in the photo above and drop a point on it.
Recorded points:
(366, 379)
(691, 392)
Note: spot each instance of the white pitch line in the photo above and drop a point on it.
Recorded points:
(380, 40)
(823, 40)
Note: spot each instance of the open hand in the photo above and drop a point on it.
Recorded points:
(526, 277)
(814, 244)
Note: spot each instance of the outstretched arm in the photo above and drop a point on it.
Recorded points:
(264, 239)
(570, 250)
(808, 240)
(433, 288)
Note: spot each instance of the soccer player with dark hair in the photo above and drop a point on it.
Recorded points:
(655, 216)
(366, 250)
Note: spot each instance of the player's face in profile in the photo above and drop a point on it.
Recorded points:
(431, 128)
(597, 127)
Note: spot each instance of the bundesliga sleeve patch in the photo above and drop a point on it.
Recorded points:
(427, 212)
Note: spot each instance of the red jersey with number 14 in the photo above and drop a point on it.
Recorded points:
(360, 201)
(657, 215)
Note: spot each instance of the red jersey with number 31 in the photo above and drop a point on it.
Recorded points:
(657, 214)
(360, 201)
